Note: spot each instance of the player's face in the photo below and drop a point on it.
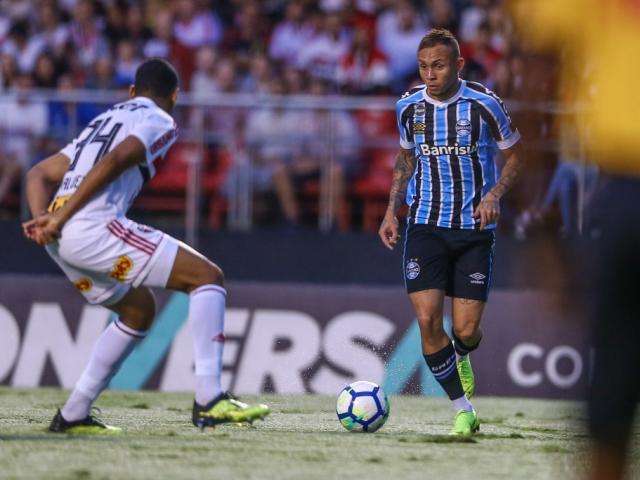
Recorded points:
(439, 69)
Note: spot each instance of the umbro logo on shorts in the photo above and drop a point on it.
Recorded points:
(477, 278)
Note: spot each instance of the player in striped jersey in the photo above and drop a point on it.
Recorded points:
(449, 132)
(113, 261)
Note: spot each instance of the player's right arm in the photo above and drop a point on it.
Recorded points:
(40, 180)
(130, 152)
(402, 172)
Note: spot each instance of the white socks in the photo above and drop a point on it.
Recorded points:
(112, 347)
(206, 314)
(462, 403)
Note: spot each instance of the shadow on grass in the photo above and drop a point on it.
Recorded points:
(436, 439)
(55, 437)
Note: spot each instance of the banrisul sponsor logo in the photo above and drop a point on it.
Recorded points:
(456, 149)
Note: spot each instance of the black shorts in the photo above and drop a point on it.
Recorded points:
(457, 261)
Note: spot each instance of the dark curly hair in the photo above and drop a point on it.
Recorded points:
(440, 36)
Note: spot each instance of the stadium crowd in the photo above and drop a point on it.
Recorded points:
(351, 47)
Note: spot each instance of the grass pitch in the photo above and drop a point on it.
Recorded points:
(301, 439)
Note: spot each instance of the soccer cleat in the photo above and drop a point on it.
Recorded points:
(465, 424)
(227, 409)
(466, 376)
(86, 426)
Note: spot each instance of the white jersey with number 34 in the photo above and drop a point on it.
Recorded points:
(139, 117)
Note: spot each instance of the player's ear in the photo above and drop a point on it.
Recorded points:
(132, 91)
(174, 95)
(459, 64)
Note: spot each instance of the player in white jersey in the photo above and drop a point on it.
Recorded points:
(113, 261)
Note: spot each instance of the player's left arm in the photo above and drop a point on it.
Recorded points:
(488, 210)
(125, 155)
(507, 139)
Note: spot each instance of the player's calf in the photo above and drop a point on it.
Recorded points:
(194, 274)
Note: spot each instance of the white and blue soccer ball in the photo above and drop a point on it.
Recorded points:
(362, 407)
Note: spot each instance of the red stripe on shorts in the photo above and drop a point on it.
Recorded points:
(131, 241)
(130, 232)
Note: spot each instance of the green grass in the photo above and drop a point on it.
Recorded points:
(302, 439)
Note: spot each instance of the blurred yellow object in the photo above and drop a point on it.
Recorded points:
(600, 42)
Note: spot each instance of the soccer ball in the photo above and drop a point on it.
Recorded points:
(362, 407)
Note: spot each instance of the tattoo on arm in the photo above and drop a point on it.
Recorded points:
(509, 176)
(402, 172)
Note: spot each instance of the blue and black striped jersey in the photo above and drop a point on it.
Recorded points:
(454, 142)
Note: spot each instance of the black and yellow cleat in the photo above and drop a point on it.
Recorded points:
(227, 409)
(86, 426)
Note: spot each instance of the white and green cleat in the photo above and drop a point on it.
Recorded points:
(227, 409)
(466, 376)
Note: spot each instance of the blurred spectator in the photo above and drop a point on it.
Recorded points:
(53, 32)
(260, 75)
(196, 27)
(226, 75)
(249, 32)
(86, 35)
(16, 9)
(270, 137)
(321, 55)
(103, 77)
(295, 81)
(441, 14)
(115, 28)
(291, 35)
(161, 41)
(23, 47)
(315, 157)
(137, 30)
(45, 74)
(364, 69)
(471, 18)
(22, 124)
(501, 30)
(8, 69)
(399, 32)
(203, 81)
(126, 64)
(481, 57)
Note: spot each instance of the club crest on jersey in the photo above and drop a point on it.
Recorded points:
(121, 268)
(412, 270)
(84, 284)
(420, 109)
(463, 127)
(426, 149)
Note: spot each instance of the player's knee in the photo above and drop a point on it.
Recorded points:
(430, 324)
(140, 316)
(466, 333)
(208, 274)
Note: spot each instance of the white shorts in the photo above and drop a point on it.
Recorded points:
(104, 260)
